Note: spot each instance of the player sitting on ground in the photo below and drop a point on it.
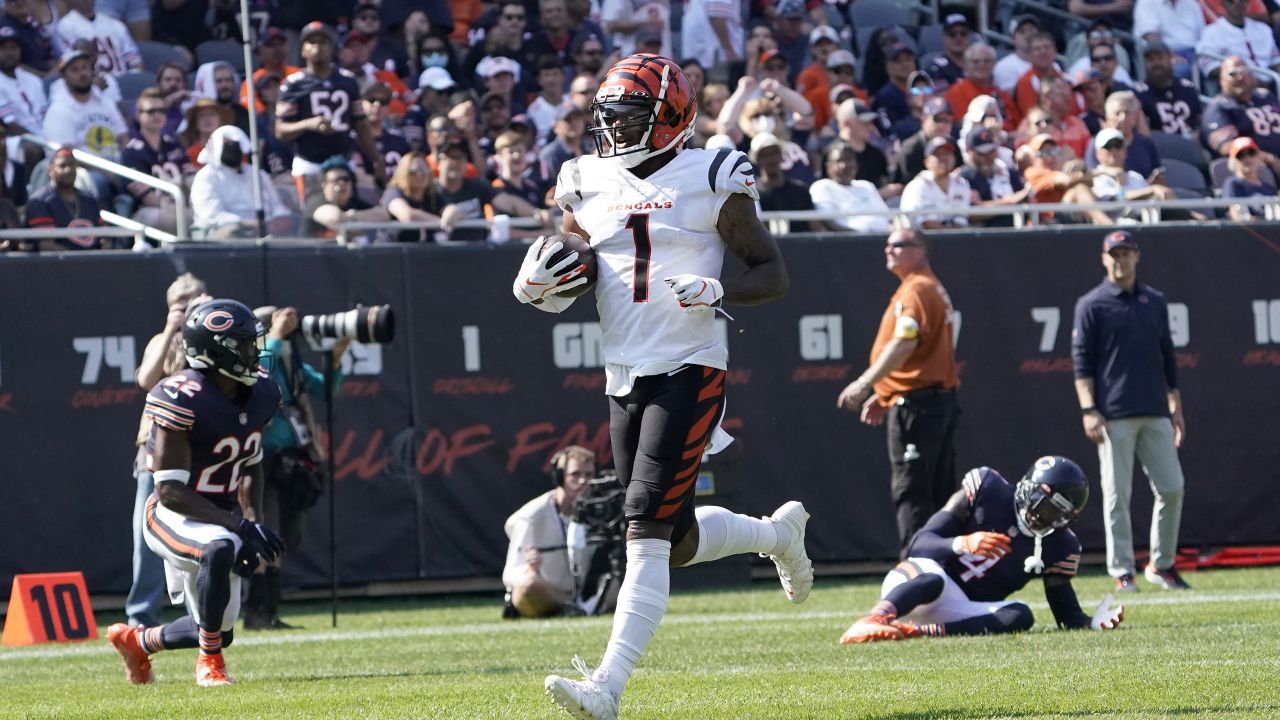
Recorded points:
(983, 546)
(206, 436)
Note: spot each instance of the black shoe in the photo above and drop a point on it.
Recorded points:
(256, 620)
(1125, 584)
(1169, 579)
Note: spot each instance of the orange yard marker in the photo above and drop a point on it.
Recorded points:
(48, 607)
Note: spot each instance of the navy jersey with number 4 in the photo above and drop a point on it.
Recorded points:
(225, 435)
(336, 98)
(989, 498)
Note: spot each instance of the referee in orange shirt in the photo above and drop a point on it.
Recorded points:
(912, 380)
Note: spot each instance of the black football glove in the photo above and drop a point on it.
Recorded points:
(260, 539)
(246, 563)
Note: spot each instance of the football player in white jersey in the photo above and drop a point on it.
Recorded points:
(659, 217)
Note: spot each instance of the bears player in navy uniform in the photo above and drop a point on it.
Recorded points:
(988, 541)
(206, 440)
(319, 107)
(659, 219)
(1241, 109)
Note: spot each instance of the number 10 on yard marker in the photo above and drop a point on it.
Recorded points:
(48, 607)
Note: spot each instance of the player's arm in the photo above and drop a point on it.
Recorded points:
(172, 452)
(765, 278)
(944, 532)
(895, 352)
(251, 494)
(1064, 603)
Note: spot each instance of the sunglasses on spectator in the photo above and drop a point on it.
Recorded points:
(1109, 57)
(1047, 152)
(1114, 145)
(151, 111)
(899, 244)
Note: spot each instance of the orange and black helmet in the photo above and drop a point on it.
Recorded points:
(645, 106)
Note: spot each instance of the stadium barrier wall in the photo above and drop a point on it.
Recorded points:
(444, 432)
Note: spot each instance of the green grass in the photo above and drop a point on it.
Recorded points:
(1210, 653)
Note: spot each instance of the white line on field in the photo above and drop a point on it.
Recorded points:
(540, 626)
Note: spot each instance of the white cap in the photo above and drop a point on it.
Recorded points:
(841, 57)
(720, 142)
(824, 32)
(761, 141)
(491, 65)
(1106, 135)
(436, 78)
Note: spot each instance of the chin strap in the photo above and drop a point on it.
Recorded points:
(1034, 565)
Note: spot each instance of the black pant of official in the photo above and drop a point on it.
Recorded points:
(284, 506)
(922, 455)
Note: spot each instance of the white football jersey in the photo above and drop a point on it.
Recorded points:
(644, 230)
(117, 51)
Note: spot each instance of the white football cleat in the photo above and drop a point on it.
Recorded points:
(794, 569)
(586, 699)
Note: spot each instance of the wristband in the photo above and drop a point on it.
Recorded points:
(957, 545)
(181, 476)
(1087, 410)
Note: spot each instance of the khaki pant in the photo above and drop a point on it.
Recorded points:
(1150, 438)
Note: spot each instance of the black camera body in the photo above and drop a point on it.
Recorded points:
(599, 509)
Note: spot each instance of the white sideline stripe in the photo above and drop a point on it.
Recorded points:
(540, 626)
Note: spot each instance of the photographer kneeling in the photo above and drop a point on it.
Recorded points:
(549, 574)
(293, 459)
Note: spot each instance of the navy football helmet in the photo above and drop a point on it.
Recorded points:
(224, 335)
(1050, 495)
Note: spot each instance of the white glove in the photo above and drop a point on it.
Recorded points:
(696, 294)
(1107, 617)
(536, 281)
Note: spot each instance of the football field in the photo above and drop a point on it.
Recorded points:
(1213, 652)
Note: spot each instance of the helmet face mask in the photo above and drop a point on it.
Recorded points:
(224, 335)
(621, 127)
(1050, 496)
(644, 107)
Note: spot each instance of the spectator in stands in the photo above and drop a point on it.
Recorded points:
(891, 100)
(710, 104)
(339, 203)
(466, 120)
(1059, 101)
(501, 75)
(1171, 104)
(411, 197)
(712, 33)
(82, 117)
(465, 199)
(1178, 24)
(857, 128)
(118, 50)
(777, 191)
(507, 38)
(792, 40)
(695, 74)
(1013, 66)
(1246, 180)
(624, 18)
(1231, 33)
(558, 33)
(435, 85)
(385, 54)
(841, 191)
(938, 185)
(948, 67)
(203, 118)
(569, 132)
(511, 155)
(415, 28)
(277, 155)
(767, 115)
(524, 126)
(273, 56)
(22, 99)
(1088, 86)
(992, 180)
(441, 131)
(319, 133)
(979, 65)
(391, 145)
(875, 58)
(1123, 113)
(1104, 58)
(984, 112)
(936, 122)
(1112, 181)
(1044, 52)
(154, 153)
(786, 108)
(1116, 13)
(222, 194)
(135, 14)
(588, 52)
(840, 72)
(1054, 181)
(13, 195)
(495, 116)
(220, 82)
(171, 81)
(464, 13)
(551, 101)
(823, 41)
(582, 90)
(181, 22)
(39, 42)
(354, 57)
(104, 83)
(434, 51)
(1240, 110)
(61, 205)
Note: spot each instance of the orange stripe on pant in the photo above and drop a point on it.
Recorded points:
(166, 536)
(695, 443)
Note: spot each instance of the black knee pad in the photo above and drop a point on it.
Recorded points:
(1016, 617)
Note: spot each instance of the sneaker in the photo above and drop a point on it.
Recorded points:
(1125, 584)
(211, 671)
(873, 628)
(1169, 579)
(586, 699)
(128, 642)
(908, 629)
(794, 569)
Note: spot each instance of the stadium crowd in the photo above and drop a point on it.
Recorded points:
(465, 110)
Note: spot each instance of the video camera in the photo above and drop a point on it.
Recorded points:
(372, 324)
(597, 543)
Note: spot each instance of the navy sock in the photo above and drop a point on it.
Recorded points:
(1010, 618)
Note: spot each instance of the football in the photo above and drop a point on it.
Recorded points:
(586, 256)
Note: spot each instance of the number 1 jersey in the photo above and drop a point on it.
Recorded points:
(644, 230)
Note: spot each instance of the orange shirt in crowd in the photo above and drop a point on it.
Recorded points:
(244, 85)
(963, 92)
(1026, 94)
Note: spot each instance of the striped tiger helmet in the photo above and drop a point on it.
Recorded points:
(645, 106)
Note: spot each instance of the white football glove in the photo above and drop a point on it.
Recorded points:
(696, 294)
(537, 281)
(1107, 617)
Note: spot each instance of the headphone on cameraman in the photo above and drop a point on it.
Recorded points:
(560, 462)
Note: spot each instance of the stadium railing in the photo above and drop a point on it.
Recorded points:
(49, 233)
(114, 168)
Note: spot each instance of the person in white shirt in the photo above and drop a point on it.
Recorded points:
(104, 83)
(1236, 34)
(82, 117)
(712, 32)
(222, 197)
(22, 99)
(538, 574)
(1013, 66)
(1178, 23)
(117, 51)
(938, 185)
(551, 103)
(1112, 182)
(840, 191)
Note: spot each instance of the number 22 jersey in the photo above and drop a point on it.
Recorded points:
(225, 435)
(644, 230)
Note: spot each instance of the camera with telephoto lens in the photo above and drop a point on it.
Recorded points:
(371, 325)
(599, 510)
